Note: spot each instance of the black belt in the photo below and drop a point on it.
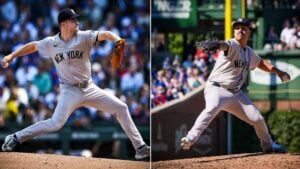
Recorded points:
(218, 85)
(215, 84)
(82, 85)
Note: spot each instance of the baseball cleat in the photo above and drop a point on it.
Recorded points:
(142, 152)
(276, 148)
(10, 142)
(186, 143)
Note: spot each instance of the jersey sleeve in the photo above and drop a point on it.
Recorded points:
(43, 47)
(232, 49)
(255, 60)
(91, 37)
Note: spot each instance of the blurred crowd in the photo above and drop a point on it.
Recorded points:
(288, 39)
(29, 88)
(176, 76)
(279, 4)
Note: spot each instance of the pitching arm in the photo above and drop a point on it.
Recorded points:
(108, 35)
(118, 53)
(24, 50)
(268, 67)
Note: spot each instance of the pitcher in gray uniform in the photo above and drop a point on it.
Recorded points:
(70, 52)
(222, 90)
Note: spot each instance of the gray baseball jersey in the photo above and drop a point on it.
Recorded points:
(231, 71)
(72, 61)
(72, 58)
(222, 92)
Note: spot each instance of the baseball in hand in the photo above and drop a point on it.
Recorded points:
(5, 64)
(285, 78)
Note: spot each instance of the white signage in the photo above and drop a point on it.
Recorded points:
(179, 9)
(264, 78)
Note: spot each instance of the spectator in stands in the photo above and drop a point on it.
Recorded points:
(43, 80)
(201, 60)
(98, 74)
(12, 108)
(26, 74)
(188, 62)
(282, 4)
(297, 34)
(160, 79)
(135, 56)
(15, 93)
(272, 40)
(160, 96)
(175, 89)
(133, 80)
(287, 35)
(182, 78)
(144, 95)
(194, 79)
(9, 11)
(94, 11)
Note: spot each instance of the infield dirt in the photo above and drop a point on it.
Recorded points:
(237, 161)
(15, 160)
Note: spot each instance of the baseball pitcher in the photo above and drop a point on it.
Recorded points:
(70, 52)
(222, 91)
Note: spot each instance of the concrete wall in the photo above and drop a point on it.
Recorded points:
(170, 122)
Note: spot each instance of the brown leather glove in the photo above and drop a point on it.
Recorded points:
(118, 53)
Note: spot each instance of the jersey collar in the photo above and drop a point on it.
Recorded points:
(59, 39)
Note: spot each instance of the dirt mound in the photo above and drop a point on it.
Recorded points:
(244, 161)
(50, 161)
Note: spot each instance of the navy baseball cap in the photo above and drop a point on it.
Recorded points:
(241, 21)
(67, 14)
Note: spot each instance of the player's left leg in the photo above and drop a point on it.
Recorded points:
(107, 102)
(242, 107)
(70, 99)
(215, 99)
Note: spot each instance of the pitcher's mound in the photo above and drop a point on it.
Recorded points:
(16, 160)
(242, 161)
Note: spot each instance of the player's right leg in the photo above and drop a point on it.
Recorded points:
(107, 102)
(215, 98)
(10, 142)
(69, 100)
(242, 107)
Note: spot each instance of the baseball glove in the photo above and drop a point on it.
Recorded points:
(210, 45)
(118, 53)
